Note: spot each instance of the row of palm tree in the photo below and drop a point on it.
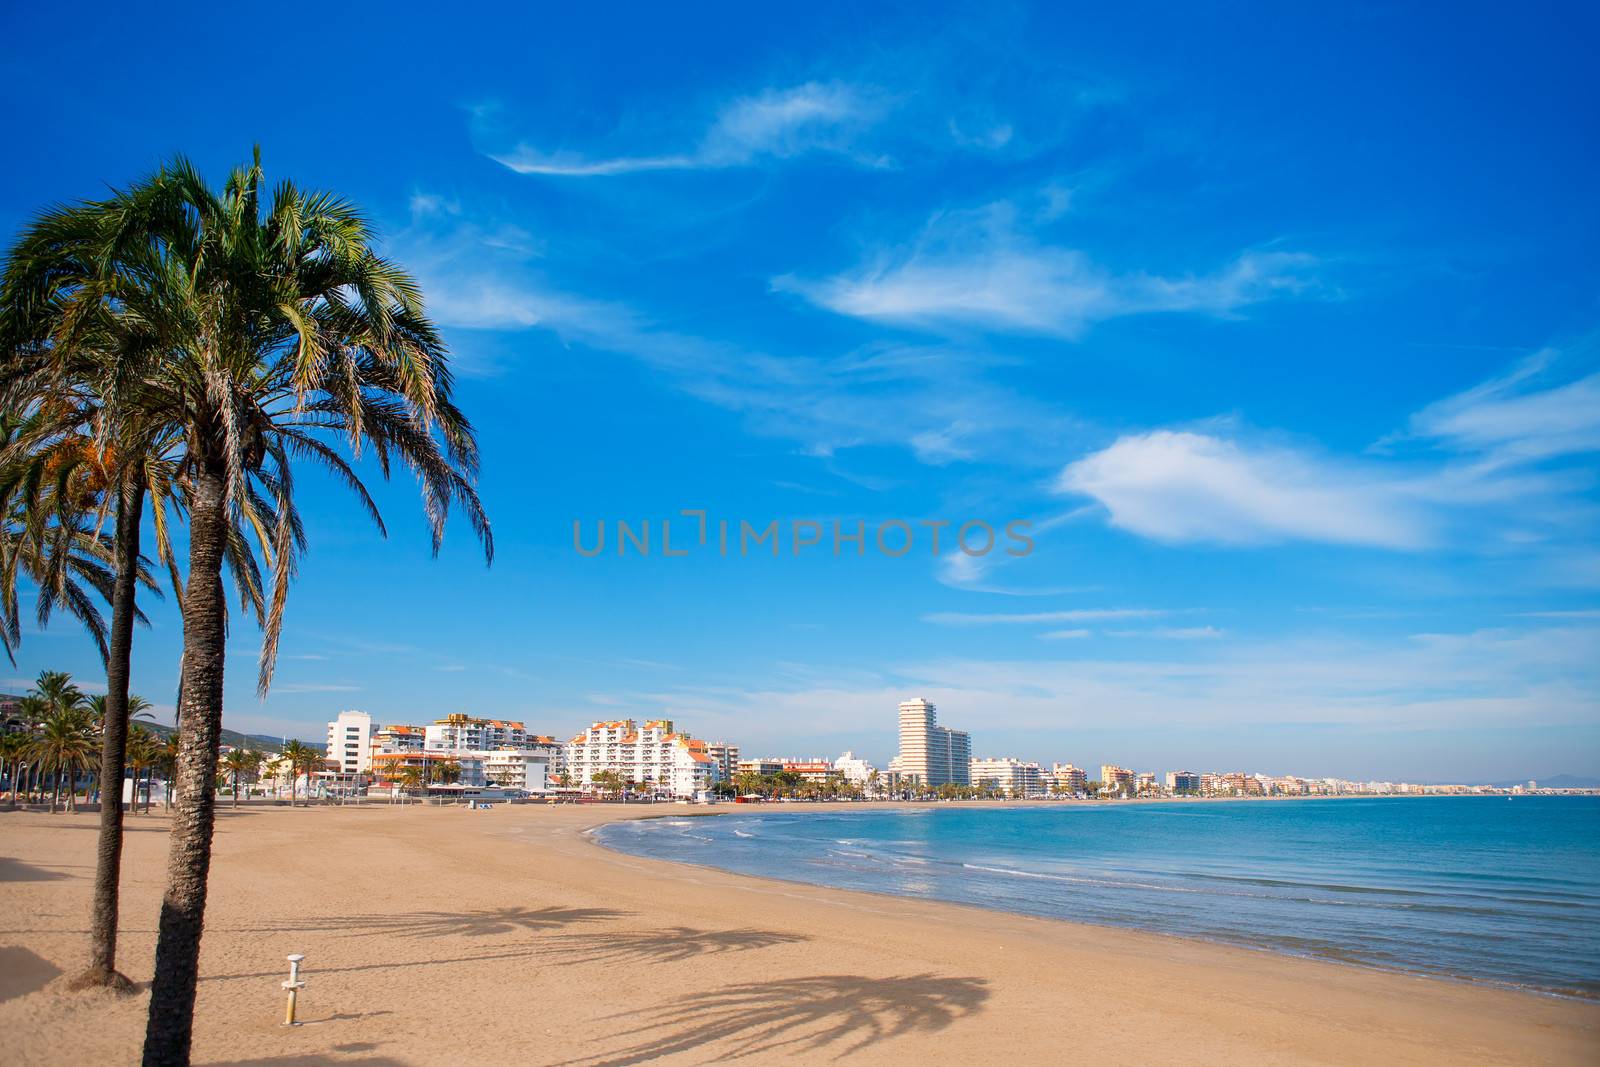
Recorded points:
(174, 353)
(55, 737)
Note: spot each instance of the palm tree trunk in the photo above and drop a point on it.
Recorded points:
(171, 1023)
(114, 748)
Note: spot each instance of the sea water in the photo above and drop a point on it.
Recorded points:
(1481, 888)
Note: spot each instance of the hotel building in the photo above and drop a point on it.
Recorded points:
(484, 752)
(726, 758)
(525, 769)
(1069, 779)
(1114, 779)
(350, 742)
(653, 754)
(854, 769)
(1183, 781)
(811, 770)
(1012, 777)
(761, 768)
(932, 754)
(463, 733)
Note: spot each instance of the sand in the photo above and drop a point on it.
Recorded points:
(449, 936)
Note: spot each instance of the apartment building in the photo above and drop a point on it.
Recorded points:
(350, 742)
(1012, 777)
(1114, 779)
(530, 770)
(854, 769)
(653, 754)
(1183, 782)
(1069, 779)
(812, 770)
(464, 733)
(725, 757)
(390, 767)
(759, 767)
(932, 754)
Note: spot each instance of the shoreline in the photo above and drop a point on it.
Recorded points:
(592, 835)
(452, 935)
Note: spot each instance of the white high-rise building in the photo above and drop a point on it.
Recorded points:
(350, 742)
(932, 754)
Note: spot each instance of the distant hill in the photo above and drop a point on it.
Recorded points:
(259, 742)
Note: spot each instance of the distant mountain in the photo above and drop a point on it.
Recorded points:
(1557, 781)
(259, 742)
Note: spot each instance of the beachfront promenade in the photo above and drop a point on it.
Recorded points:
(443, 935)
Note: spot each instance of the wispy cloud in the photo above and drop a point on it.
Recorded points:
(978, 268)
(1066, 635)
(964, 618)
(1172, 633)
(478, 277)
(1181, 486)
(1510, 420)
(778, 123)
(1219, 485)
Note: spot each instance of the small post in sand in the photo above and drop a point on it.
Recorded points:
(293, 985)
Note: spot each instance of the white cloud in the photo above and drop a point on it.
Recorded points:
(974, 268)
(774, 124)
(1509, 422)
(1066, 635)
(1180, 486)
(477, 276)
(1217, 486)
(963, 618)
(1172, 633)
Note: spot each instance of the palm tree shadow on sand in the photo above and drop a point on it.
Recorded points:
(839, 1013)
(482, 923)
(671, 945)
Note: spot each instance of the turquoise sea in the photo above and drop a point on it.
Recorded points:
(1480, 888)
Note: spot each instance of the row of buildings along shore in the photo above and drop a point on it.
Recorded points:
(462, 753)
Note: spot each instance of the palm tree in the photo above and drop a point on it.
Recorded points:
(281, 335)
(75, 348)
(311, 761)
(13, 756)
(63, 747)
(241, 761)
(295, 754)
(53, 547)
(607, 782)
(409, 777)
(167, 764)
(144, 749)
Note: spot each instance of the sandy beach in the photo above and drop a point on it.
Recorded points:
(443, 935)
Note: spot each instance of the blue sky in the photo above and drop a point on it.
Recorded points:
(1279, 327)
